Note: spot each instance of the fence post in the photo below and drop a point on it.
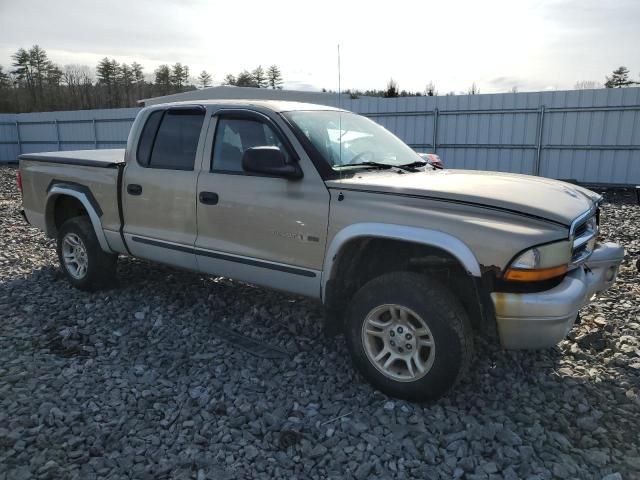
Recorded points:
(539, 140)
(18, 135)
(57, 133)
(95, 135)
(435, 131)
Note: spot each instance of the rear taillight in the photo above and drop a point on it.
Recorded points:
(19, 180)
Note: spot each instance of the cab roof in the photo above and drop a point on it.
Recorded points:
(274, 105)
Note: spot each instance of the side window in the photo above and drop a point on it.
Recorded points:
(234, 136)
(169, 139)
(145, 144)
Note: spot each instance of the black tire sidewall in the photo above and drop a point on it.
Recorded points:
(100, 265)
(443, 314)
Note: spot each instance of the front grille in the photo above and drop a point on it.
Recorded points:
(584, 231)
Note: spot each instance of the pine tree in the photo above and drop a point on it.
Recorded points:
(204, 79)
(22, 68)
(619, 78)
(179, 76)
(107, 72)
(126, 81)
(5, 99)
(392, 89)
(245, 79)
(274, 77)
(138, 73)
(163, 79)
(260, 77)
(229, 80)
(5, 81)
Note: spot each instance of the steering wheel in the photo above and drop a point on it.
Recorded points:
(358, 156)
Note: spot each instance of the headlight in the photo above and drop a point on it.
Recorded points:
(540, 263)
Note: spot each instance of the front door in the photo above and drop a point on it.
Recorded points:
(260, 229)
(159, 200)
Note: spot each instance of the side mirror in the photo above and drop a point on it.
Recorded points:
(269, 161)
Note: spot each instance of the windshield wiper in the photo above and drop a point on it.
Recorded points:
(384, 166)
(413, 165)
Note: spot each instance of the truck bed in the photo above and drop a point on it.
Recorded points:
(97, 172)
(104, 158)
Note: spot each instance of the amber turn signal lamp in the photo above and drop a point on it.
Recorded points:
(534, 275)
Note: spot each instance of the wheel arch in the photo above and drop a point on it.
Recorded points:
(82, 195)
(363, 251)
(423, 236)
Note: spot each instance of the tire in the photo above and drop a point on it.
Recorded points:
(402, 304)
(77, 239)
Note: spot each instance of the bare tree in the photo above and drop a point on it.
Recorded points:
(473, 89)
(587, 85)
(430, 90)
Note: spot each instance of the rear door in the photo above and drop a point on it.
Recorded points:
(159, 187)
(256, 228)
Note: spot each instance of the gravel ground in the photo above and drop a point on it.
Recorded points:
(146, 381)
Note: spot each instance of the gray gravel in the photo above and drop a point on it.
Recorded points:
(144, 381)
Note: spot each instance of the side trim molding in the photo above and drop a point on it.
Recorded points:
(56, 190)
(424, 236)
(224, 256)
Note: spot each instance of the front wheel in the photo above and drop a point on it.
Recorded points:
(409, 336)
(84, 263)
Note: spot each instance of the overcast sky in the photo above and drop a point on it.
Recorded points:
(497, 44)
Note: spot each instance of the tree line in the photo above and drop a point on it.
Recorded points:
(35, 83)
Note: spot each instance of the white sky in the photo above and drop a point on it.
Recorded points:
(497, 44)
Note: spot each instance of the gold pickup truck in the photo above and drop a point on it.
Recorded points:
(408, 260)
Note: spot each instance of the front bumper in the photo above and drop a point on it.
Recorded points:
(542, 319)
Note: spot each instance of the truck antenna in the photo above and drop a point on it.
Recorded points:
(339, 113)
(339, 90)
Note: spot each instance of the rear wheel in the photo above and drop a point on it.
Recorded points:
(82, 260)
(409, 336)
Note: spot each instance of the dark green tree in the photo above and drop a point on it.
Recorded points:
(38, 75)
(392, 89)
(260, 77)
(5, 80)
(108, 74)
(126, 80)
(179, 76)
(163, 79)
(229, 80)
(619, 78)
(274, 77)
(245, 79)
(204, 79)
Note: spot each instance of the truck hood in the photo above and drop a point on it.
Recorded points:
(545, 198)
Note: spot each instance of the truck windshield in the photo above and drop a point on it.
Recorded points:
(346, 140)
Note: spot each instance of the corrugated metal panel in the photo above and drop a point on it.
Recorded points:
(591, 136)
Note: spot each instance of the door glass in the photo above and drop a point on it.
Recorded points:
(177, 140)
(234, 136)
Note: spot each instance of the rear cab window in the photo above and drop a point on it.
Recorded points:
(169, 139)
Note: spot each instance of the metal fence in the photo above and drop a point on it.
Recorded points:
(75, 130)
(592, 136)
